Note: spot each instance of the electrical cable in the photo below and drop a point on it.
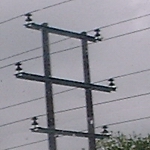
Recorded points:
(18, 54)
(34, 11)
(123, 21)
(33, 100)
(57, 52)
(31, 50)
(110, 124)
(117, 36)
(106, 102)
(101, 103)
(10, 123)
(22, 103)
(113, 37)
(125, 75)
(106, 26)
(78, 46)
(27, 144)
(50, 6)
(87, 31)
(64, 91)
(146, 15)
(80, 107)
(126, 121)
(36, 57)
(119, 76)
(114, 77)
(6, 66)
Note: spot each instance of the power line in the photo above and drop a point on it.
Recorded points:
(50, 6)
(22, 103)
(113, 37)
(110, 124)
(64, 91)
(27, 144)
(63, 2)
(123, 21)
(146, 15)
(87, 31)
(80, 107)
(18, 54)
(77, 47)
(126, 121)
(6, 66)
(37, 57)
(33, 100)
(125, 75)
(101, 103)
(37, 10)
(31, 50)
(14, 122)
(57, 52)
(117, 36)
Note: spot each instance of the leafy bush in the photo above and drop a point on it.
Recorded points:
(123, 142)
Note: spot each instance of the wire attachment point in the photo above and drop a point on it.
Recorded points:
(98, 36)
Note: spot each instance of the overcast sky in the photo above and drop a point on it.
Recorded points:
(109, 58)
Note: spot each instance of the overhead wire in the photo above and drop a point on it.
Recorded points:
(113, 24)
(50, 6)
(22, 103)
(68, 49)
(97, 127)
(123, 21)
(27, 144)
(76, 108)
(142, 16)
(63, 2)
(113, 37)
(36, 57)
(34, 11)
(128, 33)
(64, 91)
(31, 50)
(126, 121)
(77, 47)
(72, 48)
(104, 39)
(33, 100)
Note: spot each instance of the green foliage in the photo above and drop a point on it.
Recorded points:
(122, 142)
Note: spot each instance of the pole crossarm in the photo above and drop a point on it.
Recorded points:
(67, 133)
(34, 77)
(61, 32)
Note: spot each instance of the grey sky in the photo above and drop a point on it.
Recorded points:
(108, 58)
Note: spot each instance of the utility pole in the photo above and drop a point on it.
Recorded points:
(48, 80)
(48, 88)
(88, 93)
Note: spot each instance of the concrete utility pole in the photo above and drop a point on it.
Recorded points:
(48, 80)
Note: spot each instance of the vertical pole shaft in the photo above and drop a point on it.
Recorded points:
(48, 88)
(88, 94)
